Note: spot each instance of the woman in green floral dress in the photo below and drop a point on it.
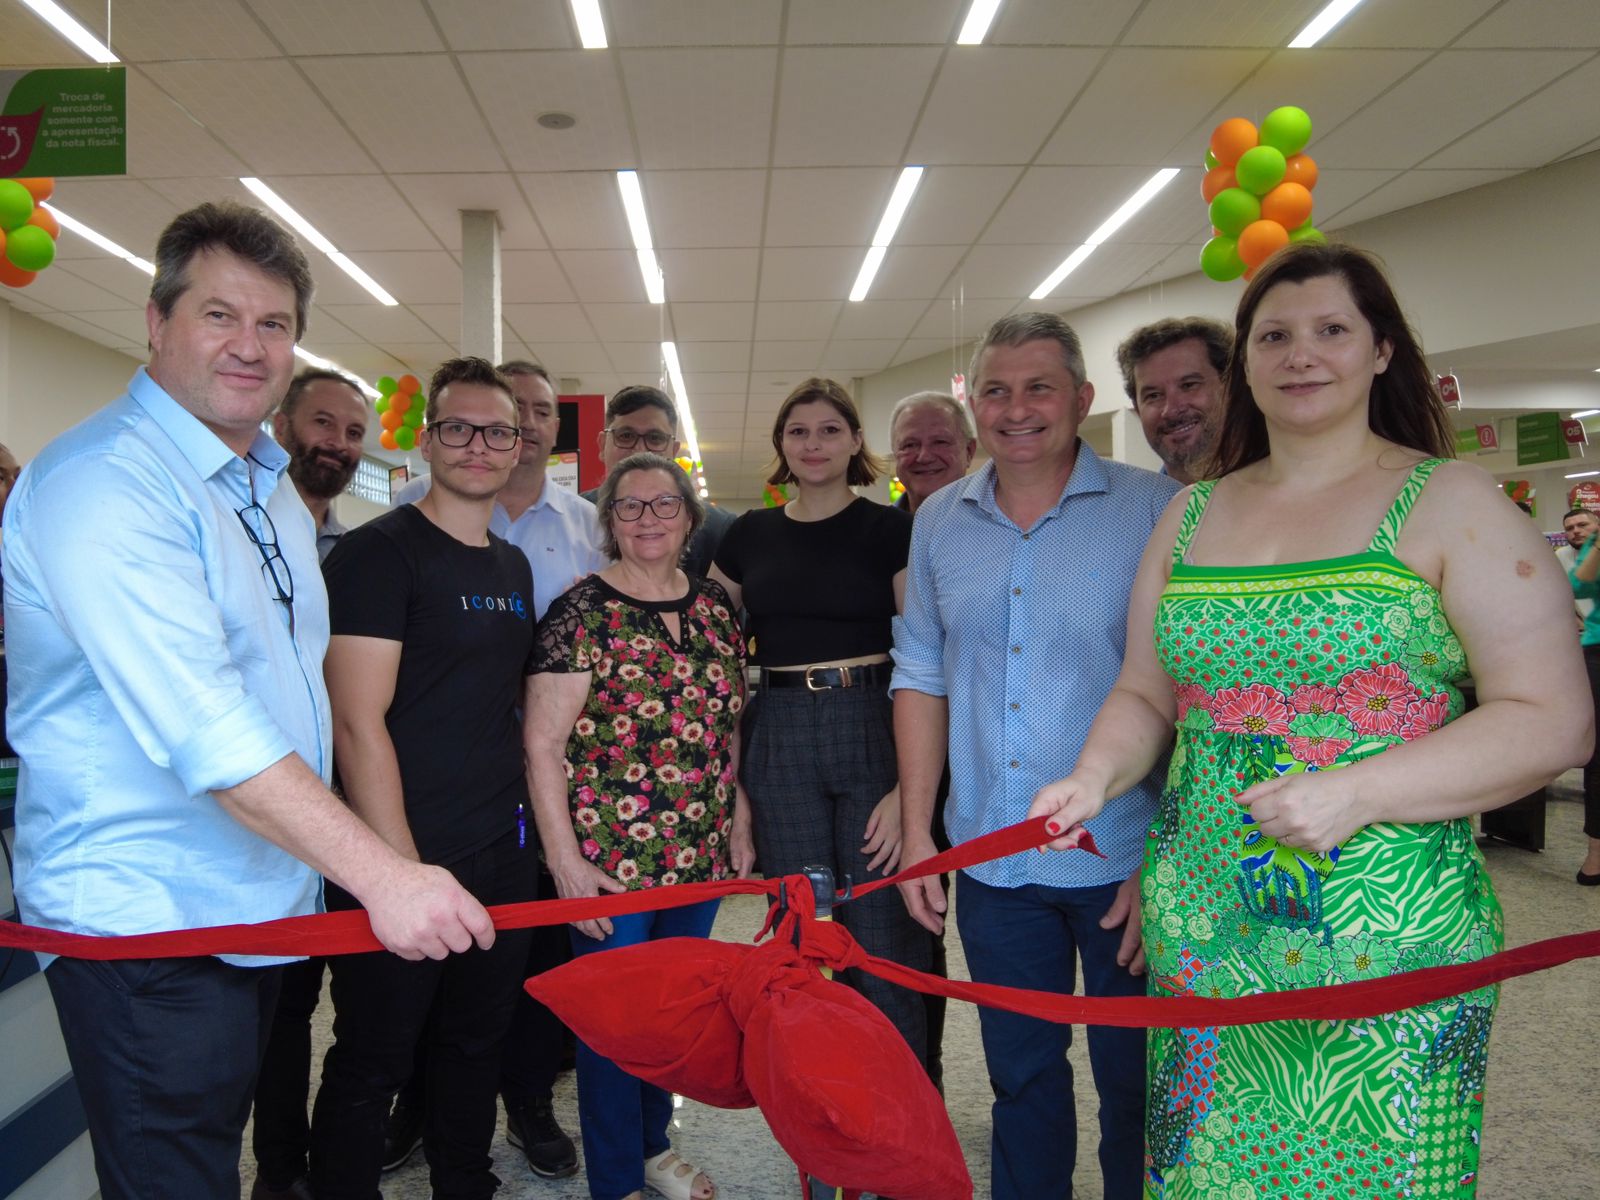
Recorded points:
(1313, 610)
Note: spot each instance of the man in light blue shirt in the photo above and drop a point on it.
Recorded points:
(554, 526)
(1013, 635)
(168, 622)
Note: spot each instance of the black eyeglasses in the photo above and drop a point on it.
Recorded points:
(628, 439)
(630, 509)
(259, 528)
(457, 434)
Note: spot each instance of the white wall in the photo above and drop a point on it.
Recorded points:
(51, 379)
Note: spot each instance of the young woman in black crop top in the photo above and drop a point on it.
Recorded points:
(822, 579)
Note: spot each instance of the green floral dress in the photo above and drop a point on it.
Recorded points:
(1309, 667)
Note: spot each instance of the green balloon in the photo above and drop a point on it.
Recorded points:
(1286, 130)
(1219, 259)
(30, 248)
(381, 404)
(1211, 160)
(405, 437)
(412, 419)
(1233, 209)
(1307, 233)
(16, 205)
(1260, 169)
(386, 386)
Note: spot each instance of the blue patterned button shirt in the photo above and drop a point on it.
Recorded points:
(151, 664)
(1023, 632)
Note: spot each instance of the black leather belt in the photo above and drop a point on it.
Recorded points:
(823, 679)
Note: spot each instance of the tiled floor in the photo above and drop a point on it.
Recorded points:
(1541, 1126)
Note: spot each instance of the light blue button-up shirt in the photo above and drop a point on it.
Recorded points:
(1023, 631)
(152, 664)
(559, 532)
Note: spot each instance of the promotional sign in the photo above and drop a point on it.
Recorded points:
(1539, 438)
(1450, 389)
(1478, 439)
(562, 470)
(1585, 495)
(1574, 434)
(71, 121)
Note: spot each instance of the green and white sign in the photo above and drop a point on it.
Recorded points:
(1539, 438)
(70, 121)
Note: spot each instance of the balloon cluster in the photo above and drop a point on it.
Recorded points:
(685, 464)
(28, 230)
(399, 411)
(1258, 184)
(775, 495)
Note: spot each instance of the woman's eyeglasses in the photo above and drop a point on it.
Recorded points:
(630, 509)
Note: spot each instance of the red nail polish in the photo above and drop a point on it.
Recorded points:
(1051, 827)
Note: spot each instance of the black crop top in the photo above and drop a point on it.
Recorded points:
(817, 591)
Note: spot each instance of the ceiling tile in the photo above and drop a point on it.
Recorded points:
(699, 357)
(712, 321)
(1558, 23)
(507, 25)
(1111, 268)
(883, 22)
(828, 207)
(369, 27)
(128, 284)
(958, 323)
(1416, 187)
(440, 199)
(62, 289)
(266, 113)
(914, 348)
(572, 358)
(714, 22)
(604, 276)
(1541, 129)
(1062, 206)
(429, 124)
(1006, 271)
(514, 89)
(702, 107)
(644, 357)
(998, 104)
(953, 204)
(639, 322)
(443, 319)
(1051, 23)
(879, 319)
(696, 209)
(1337, 191)
(549, 322)
(420, 358)
(423, 277)
(168, 141)
(721, 382)
(356, 212)
(797, 320)
(1219, 23)
(916, 272)
(709, 275)
(533, 277)
(844, 359)
(1444, 98)
(817, 273)
(168, 29)
(386, 326)
(873, 92)
(802, 357)
(579, 210)
(1427, 24)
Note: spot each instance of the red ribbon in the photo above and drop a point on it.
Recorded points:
(349, 932)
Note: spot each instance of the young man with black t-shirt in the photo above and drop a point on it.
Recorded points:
(432, 623)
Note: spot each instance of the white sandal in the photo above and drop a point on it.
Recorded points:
(674, 1178)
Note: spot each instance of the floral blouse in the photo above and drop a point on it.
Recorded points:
(650, 781)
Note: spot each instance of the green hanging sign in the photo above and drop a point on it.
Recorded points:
(1539, 438)
(64, 121)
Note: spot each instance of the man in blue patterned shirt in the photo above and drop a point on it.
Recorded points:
(1013, 634)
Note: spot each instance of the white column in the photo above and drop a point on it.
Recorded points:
(480, 284)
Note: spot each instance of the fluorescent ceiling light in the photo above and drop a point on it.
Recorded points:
(1322, 24)
(1582, 474)
(899, 200)
(976, 27)
(67, 26)
(100, 240)
(591, 25)
(680, 396)
(655, 288)
(1109, 226)
(1588, 412)
(313, 235)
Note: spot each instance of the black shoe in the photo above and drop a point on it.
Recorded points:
(1588, 880)
(532, 1129)
(300, 1189)
(402, 1135)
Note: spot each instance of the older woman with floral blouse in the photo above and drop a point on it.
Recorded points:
(633, 745)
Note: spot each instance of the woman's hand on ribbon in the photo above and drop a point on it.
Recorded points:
(1068, 803)
(579, 879)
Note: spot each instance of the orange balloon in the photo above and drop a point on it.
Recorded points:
(1231, 139)
(1215, 181)
(13, 276)
(392, 420)
(46, 220)
(39, 189)
(1301, 169)
(399, 402)
(409, 384)
(1289, 204)
(386, 439)
(1259, 239)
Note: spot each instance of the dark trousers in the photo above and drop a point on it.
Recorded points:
(280, 1136)
(381, 1007)
(165, 1052)
(815, 765)
(1591, 770)
(1032, 937)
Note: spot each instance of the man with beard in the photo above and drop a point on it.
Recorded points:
(1172, 371)
(321, 423)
